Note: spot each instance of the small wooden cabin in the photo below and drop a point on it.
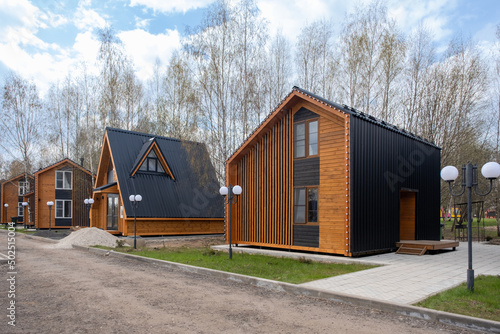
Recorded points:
(175, 178)
(67, 184)
(319, 176)
(12, 192)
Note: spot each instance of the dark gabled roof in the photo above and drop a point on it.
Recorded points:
(359, 114)
(106, 186)
(343, 108)
(62, 161)
(193, 193)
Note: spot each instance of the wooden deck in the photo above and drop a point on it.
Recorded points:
(420, 247)
(430, 244)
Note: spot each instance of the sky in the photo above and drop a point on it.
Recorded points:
(45, 40)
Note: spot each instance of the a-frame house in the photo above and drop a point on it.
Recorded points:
(175, 178)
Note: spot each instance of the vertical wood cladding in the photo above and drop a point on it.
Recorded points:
(82, 189)
(306, 235)
(264, 214)
(334, 184)
(306, 172)
(383, 163)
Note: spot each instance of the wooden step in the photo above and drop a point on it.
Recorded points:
(412, 249)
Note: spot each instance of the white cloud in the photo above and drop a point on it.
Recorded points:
(141, 23)
(144, 48)
(168, 6)
(292, 16)
(87, 19)
(435, 15)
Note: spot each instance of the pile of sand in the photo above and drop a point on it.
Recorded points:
(88, 237)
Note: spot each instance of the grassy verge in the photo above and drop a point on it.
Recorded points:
(18, 230)
(278, 269)
(484, 302)
(489, 233)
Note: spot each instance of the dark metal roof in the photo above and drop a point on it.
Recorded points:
(344, 108)
(58, 162)
(193, 193)
(359, 114)
(106, 186)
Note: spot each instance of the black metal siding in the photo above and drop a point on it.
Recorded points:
(63, 221)
(64, 194)
(304, 114)
(306, 235)
(306, 172)
(382, 163)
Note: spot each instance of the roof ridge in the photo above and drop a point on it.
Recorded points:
(149, 135)
(57, 162)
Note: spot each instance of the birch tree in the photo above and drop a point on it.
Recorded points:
(20, 118)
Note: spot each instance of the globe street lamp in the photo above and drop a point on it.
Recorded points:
(6, 215)
(88, 203)
(135, 200)
(25, 205)
(490, 171)
(50, 204)
(229, 191)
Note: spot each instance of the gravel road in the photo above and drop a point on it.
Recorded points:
(70, 291)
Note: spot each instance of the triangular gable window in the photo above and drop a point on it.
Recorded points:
(154, 162)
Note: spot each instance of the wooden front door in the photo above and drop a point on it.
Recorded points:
(112, 214)
(407, 215)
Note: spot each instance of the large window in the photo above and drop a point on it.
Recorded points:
(63, 208)
(306, 139)
(305, 202)
(24, 187)
(64, 179)
(152, 164)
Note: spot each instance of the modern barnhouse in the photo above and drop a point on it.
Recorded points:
(66, 184)
(323, 177)
(175, 178)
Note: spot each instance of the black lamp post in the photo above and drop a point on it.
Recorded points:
(50, 204)
(6, 215)
(135, 200)
(229, 191)
(88, 203)
(25, 205)
(490, 171)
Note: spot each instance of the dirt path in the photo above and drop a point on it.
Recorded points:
(70, 291)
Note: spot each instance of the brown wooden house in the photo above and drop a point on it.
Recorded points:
(12, 192)
(175, 178)
(319, 176)
(67, 184)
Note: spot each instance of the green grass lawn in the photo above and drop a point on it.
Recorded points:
(484, 302)
(489, 233)
(279, 269)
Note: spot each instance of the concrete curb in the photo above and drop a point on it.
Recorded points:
(460, 321)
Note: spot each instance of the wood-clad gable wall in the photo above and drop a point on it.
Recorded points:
(264, 168)
(263, 215)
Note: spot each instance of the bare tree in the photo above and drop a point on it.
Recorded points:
(279, 70)
(19, 120)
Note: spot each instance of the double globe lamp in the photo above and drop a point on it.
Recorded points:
(490, 171)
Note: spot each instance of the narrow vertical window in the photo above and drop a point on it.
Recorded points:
(299, 198)
(313, 138)
(312, 205)
(20, 210)
(300, 140)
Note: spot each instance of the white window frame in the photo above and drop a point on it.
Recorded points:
(25, 186)
(65, 186)
(20, 209)
(63, 207)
